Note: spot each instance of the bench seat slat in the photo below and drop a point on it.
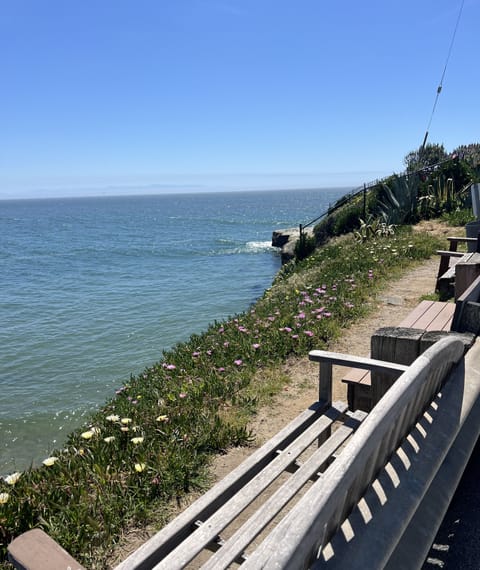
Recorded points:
(197, 541)
(239, 541)
(163, 542)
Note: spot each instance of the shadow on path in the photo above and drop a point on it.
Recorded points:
(457, 544)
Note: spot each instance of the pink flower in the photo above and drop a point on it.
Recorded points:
(221, 369)
(182, 395)
(238, 362)
(195, 354)
(301, 316)
(226, 344)
(294, 335)
(288, 329)
(256, 345)
(308, 333)
(171, 367)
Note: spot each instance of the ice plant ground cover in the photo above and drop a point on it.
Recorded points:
(153, 441)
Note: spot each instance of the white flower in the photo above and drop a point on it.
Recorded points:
(49, 461)
(4, 498)
(137, 440)
(109, 439)
(126, 421)
(87, 434)
(112, 418)
(13, 478)
(139, 467)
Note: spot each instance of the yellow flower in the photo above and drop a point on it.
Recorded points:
(109, 439)
(13, 478)
(4, 498)
(112, 418)
(139, 467)
(126, 421)
(125, 429)
(88, 434)
(49, 461)
(137, 440)
(162, 419)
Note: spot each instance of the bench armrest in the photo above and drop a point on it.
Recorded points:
(327, 359)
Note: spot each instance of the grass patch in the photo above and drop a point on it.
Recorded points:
(151, 443)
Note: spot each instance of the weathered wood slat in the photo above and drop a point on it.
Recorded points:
(196, 542)
(443, 321)
(417, 313)
(239, 541)
(338, 359)
(307, 527)
(157, 547)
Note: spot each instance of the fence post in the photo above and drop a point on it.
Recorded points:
(364, 202)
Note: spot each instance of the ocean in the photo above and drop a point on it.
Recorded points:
(92, 290)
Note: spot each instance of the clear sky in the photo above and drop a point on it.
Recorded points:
(119, 96)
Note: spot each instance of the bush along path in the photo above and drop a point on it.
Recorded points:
(153, 440)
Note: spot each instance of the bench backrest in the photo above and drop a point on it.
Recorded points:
(467, 311)
(310, 525)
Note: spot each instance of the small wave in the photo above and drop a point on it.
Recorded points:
(259, 246)
(250, 247)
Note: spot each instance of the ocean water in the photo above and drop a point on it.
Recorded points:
(92, 290)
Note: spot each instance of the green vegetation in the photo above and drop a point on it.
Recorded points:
(435, 184)
(152, 443)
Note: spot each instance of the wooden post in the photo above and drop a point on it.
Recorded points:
(394, 344)
(325, 383)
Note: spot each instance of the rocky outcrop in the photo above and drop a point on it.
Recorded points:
(286, 240)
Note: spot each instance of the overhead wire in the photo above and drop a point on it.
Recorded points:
(440, 85)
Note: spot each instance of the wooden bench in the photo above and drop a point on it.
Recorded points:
(322, 464)
(467, 312)
(380, 503)
(427, 316)
(445, 284)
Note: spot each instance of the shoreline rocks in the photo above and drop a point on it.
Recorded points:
(286, 240)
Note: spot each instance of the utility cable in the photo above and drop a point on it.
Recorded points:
(440, 86)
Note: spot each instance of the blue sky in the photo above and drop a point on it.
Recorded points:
(116, 96)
